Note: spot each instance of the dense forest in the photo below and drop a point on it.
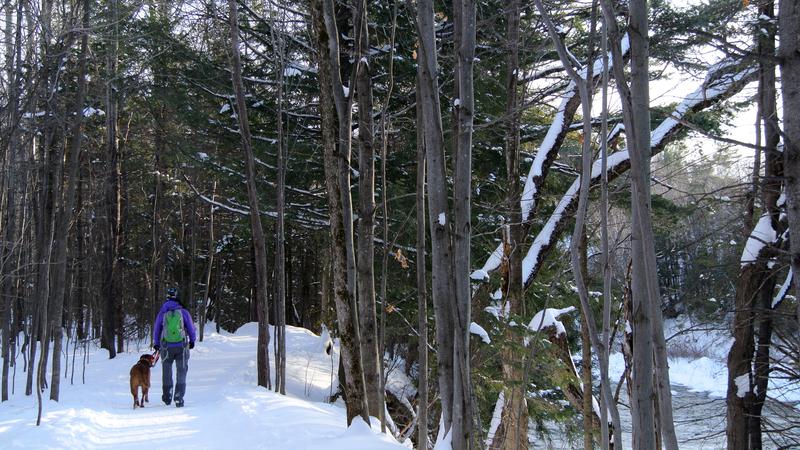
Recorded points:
(490, 196)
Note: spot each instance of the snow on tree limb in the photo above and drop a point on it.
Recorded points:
(497, 417)
(762, 235)
(547, 318)
(547, 151)
(783, 291)
(723, 80)
(555, 135)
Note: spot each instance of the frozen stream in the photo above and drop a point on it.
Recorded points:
(699, 423)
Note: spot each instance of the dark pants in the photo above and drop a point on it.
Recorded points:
(181, 357)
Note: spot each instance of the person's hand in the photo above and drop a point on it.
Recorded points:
(157, 347)
(191, 345)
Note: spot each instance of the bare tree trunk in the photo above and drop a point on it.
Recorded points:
(385, 202)
(739, 396)
(464, 418)
(771, 187)
(645, 298)
(259, 242)
(603, 357)
(789, 26)
(366, 220)
(65, 214)
(192, 258)
(586, 379)
(647, 321)
(13, 182)
(512, 433)
(344, 296)
(441, 244)
(280, 293)
(280, 244)
(585, 85)
(50, 167)
(210, 259)
(155, 283)
(422, 283)
(111, 225)
(748, 366)
(586, 341)
(761, 366)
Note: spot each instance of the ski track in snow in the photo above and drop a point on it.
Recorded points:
(224, 407)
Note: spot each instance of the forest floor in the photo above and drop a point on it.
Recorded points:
(224, 407)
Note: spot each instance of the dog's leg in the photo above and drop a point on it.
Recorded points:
(146, 388)
(135, 393)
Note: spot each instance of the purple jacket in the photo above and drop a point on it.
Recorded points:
(170, 305)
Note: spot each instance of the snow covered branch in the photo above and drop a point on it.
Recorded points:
(549, 147)
(723, 80)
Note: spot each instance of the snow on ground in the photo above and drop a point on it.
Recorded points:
(703, 374)
(699, 386)
(224, 407)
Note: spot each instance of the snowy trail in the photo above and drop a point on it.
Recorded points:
(224, 408)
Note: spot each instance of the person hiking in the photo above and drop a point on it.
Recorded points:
(173, 337)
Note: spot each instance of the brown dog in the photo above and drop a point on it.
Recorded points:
(140, 376)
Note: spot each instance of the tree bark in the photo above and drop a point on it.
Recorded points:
(441, 244)
(111, 225)
(385, 125)
(771, 187)
(366, 218)
(422, 283)
(605, 443)
(756, 281)
(464, 419)
(740, 356)
(210, 261)
(13, 182)
(65, 213)
(259, 242)
(647, 321)
(512, 433)
(345, 302)
(280, 224)
(789, 54)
